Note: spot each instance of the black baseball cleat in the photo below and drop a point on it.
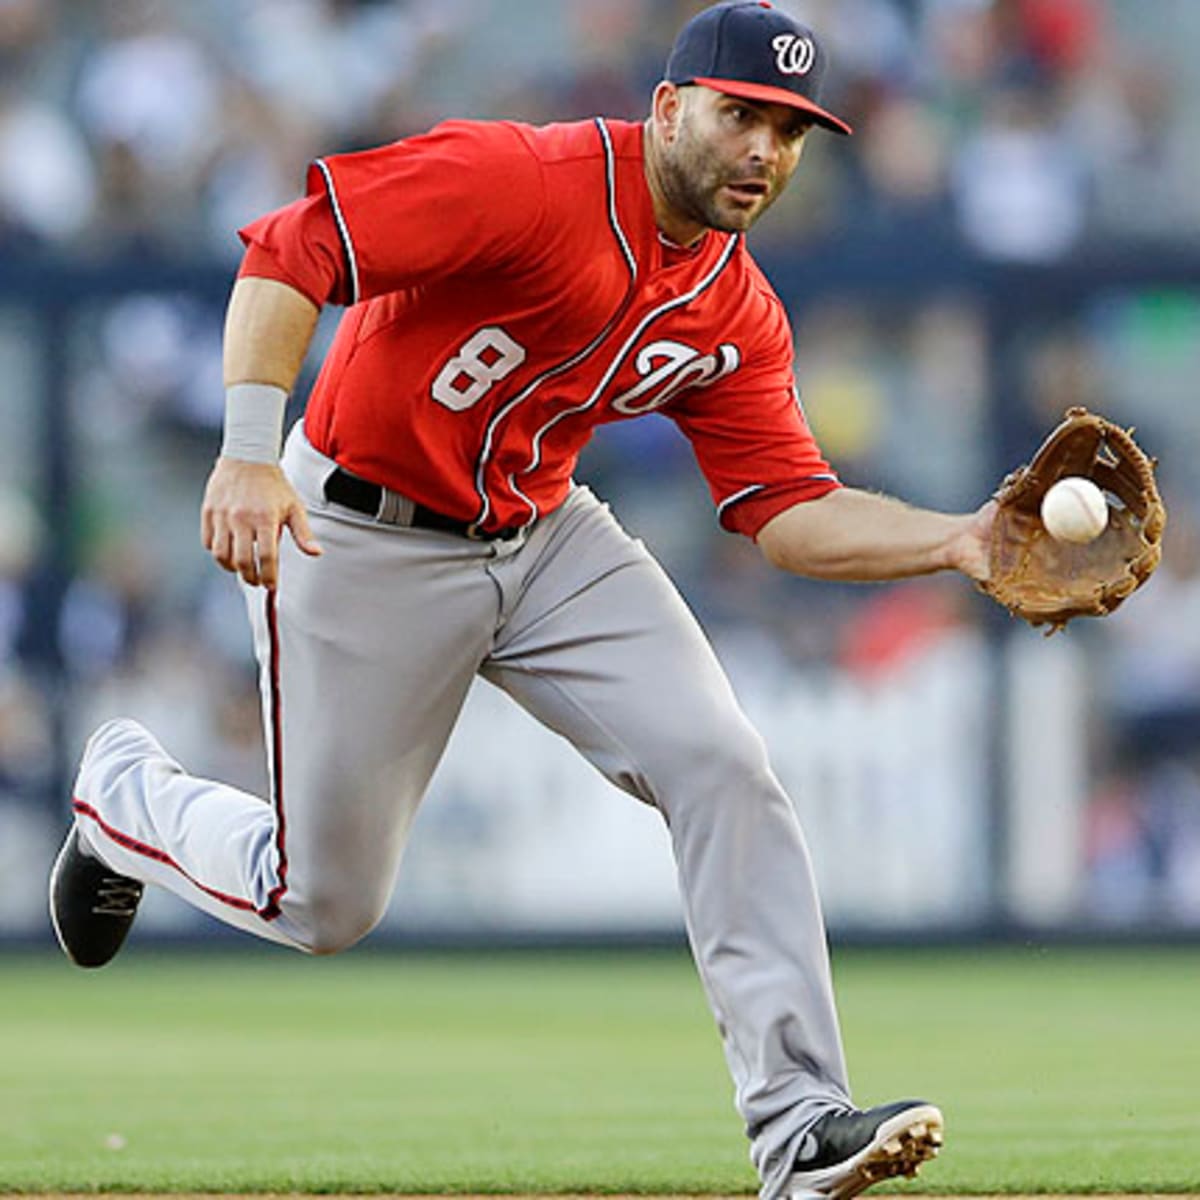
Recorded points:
(91, 906)
(847, 1152)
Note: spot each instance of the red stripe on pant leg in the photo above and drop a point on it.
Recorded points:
(271, 909)
(159, 856)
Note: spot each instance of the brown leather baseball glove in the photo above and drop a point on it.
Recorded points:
(1049, 582)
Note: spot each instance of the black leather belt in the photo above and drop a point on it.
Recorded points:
(341, 487)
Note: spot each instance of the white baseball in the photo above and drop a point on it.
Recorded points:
(1074, 510)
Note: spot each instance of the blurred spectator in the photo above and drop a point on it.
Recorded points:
(258, 166)
(105, 611)
(904, 156)
(47, 183)
(148, 96)
(21, 541)
(26, 741)
(1153, 660)
(26, 738)
(896, 397)
(1019, 186)
(1143, 845)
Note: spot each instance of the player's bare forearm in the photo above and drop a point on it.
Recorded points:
(852, 535)
(248, 501)
(268, 328)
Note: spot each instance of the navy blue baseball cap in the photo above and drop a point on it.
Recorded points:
(751, 49)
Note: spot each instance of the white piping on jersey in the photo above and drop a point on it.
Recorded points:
(485, 454)
(342, 228)
(614, 366)
(758, 487)
(610, 176)
(746, 491)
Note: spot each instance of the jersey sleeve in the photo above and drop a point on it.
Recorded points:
(298, 245)
(468, 197)
(752, 441)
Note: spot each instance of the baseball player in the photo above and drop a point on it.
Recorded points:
(507, 289)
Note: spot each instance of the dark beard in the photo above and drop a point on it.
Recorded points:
(689, 178)
(691, 175)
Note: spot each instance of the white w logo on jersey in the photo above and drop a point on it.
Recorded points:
(667, 367)
(794, 55)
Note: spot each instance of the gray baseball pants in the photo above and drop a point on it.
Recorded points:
(366, 656)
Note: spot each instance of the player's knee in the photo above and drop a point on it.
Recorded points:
(736, 755)
(337, 923)
(721, 770)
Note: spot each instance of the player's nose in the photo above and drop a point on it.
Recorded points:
(765, 145)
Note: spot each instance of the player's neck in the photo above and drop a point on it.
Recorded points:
(674, 226)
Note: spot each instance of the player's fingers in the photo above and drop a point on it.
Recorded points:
(302, 534)
(220, 545)
(245, 553)
(266, 547)
(207, 529)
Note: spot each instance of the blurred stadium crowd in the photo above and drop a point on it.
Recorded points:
(1035, 134)
(1029, 123)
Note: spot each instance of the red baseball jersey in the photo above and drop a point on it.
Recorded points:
(508, 291)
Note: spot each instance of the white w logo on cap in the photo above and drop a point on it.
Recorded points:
(794, 55)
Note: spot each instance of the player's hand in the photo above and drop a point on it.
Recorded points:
(970, 552)
(246, 508)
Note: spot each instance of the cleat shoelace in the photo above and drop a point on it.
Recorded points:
(117, 896)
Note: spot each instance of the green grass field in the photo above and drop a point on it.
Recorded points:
(1059, 1071)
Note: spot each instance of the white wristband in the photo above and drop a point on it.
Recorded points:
(253, 422)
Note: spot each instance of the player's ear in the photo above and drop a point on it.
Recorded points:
(666, 110)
